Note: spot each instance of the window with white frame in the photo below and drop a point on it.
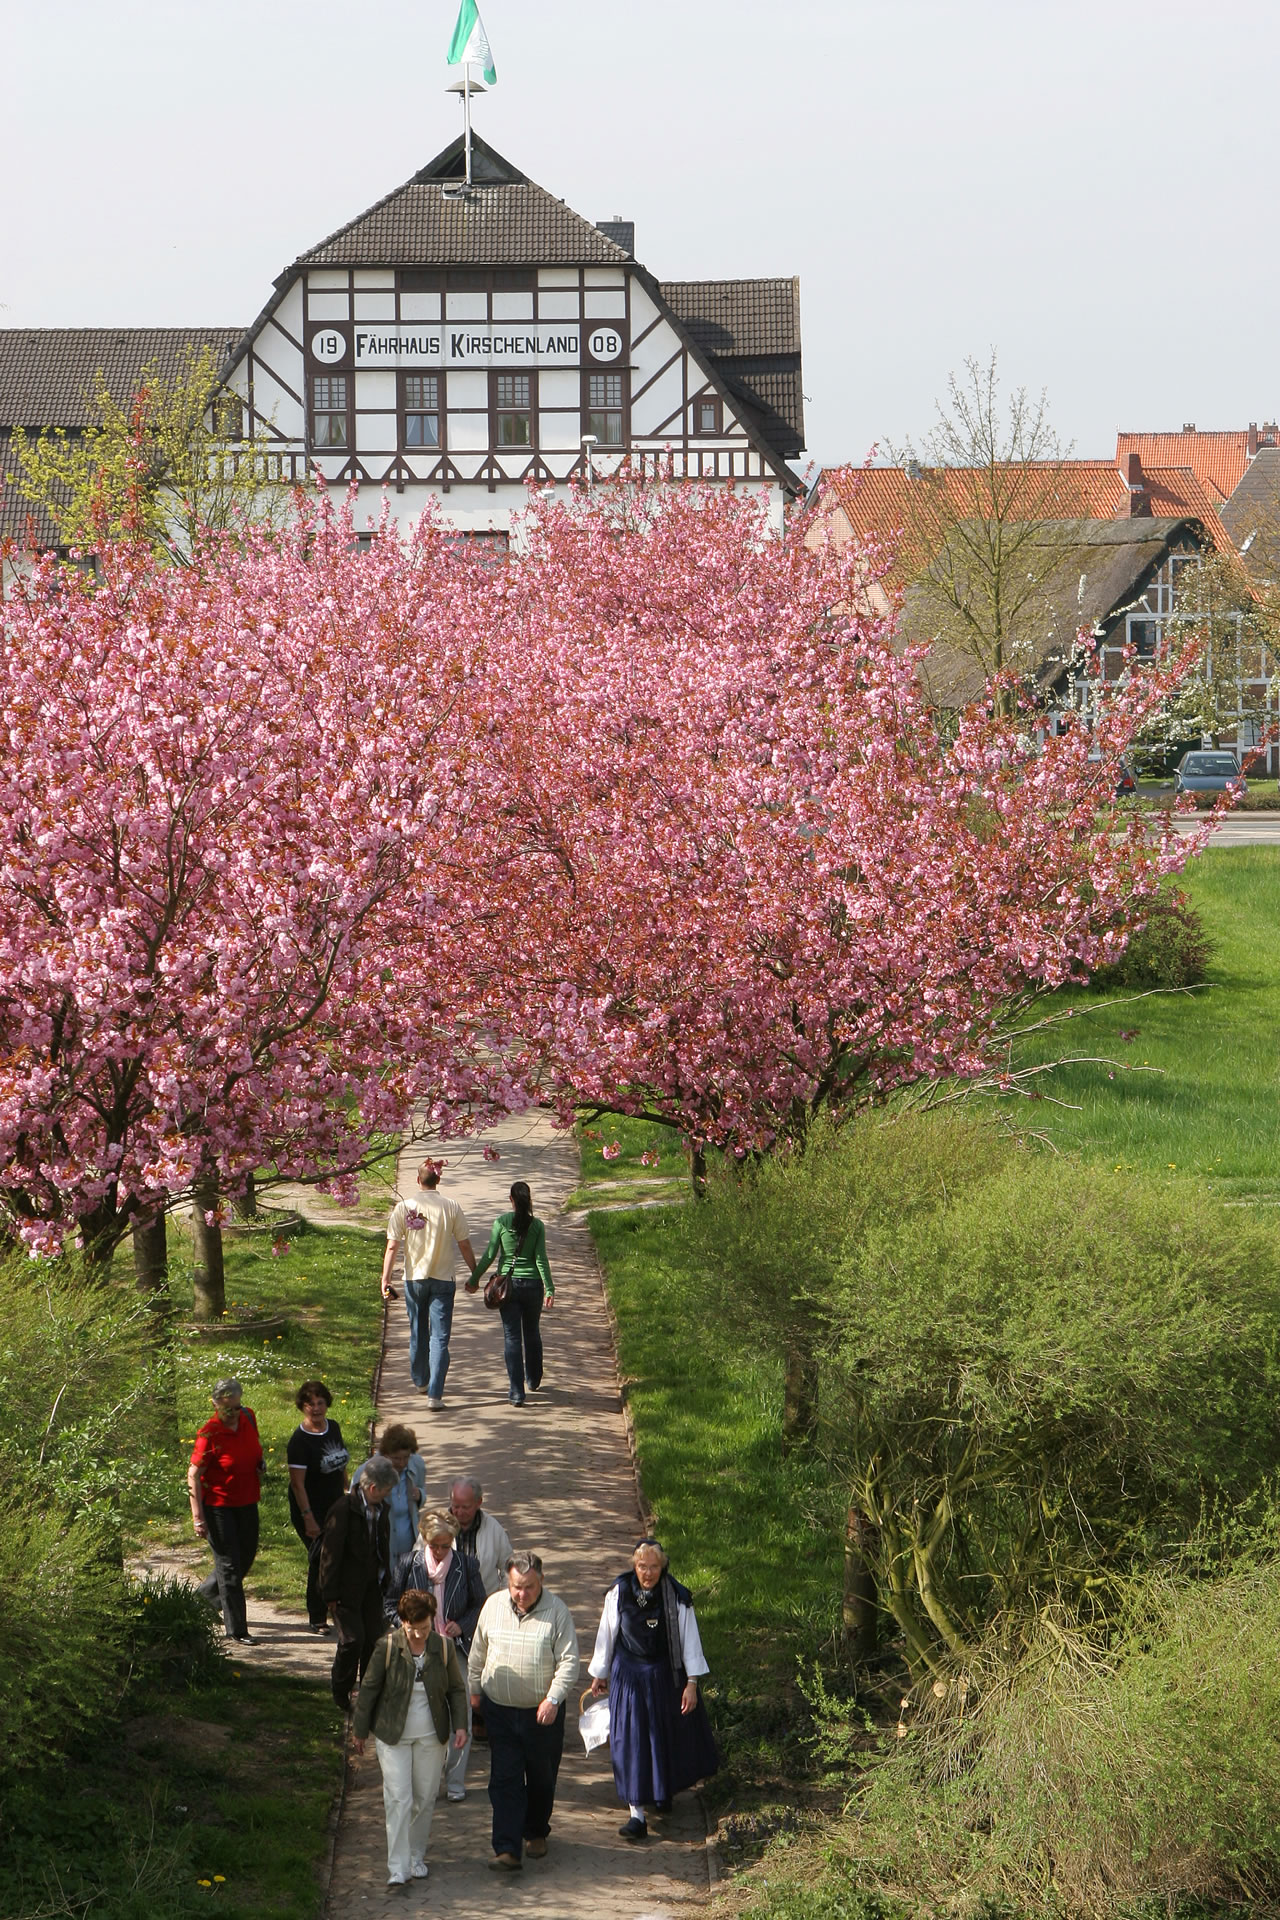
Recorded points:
(329, 411)
(421, 393)
(604, 408)
(513, 409)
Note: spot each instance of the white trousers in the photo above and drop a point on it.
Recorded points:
(455, 1766)
(410, 1780)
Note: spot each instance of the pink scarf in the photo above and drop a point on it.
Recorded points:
(437, 1572)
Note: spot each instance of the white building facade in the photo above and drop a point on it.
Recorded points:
(460, 342)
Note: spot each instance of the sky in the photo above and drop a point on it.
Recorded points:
(1082, 187)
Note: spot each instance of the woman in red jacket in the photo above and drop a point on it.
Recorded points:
(225, 1483)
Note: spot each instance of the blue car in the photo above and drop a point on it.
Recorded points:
(1203, 771)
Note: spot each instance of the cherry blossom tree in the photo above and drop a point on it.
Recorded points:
(234, 884)
(745, 877)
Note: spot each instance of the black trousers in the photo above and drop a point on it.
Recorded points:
(359, 1631)
(233, 1535)
(317, 1613)
(524, 1762)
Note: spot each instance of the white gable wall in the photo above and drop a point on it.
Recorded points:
(364, 333)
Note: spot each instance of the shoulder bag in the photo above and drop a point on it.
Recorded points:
(497, 1287)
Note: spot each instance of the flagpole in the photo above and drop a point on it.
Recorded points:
(466, 109)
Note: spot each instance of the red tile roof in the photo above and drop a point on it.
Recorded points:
(1218, 460)
(876, 500)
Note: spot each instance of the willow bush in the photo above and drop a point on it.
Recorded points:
(1032, 1374)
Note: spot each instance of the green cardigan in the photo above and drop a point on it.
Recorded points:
(532, 1264)
(383, 1700)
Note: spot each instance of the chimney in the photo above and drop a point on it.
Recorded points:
(1251, 444)
(1188, 426)
(621, 232)
(1136, 506)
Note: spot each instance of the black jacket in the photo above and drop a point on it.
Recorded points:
(351, 1562)
(464, 1593)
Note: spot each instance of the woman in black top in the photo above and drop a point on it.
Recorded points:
(318, 1462)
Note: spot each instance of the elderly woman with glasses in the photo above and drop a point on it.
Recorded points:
(225, 1484)
(437, 1565)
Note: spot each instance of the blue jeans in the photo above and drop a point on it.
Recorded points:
(436, 1296)
(521, 1311)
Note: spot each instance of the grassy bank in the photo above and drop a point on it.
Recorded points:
(754, 1538)
(211, 1799)
(323, 1293)
(1210, 1106)
(758, 1537)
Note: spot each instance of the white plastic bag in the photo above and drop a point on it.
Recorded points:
(593, 1724)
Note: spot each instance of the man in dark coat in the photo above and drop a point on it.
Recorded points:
(355, 1551)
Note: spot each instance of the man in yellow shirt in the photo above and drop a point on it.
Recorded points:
(431, 1228)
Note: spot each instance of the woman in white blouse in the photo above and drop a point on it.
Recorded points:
(648, 1657)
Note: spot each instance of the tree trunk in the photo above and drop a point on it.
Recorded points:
(698, 1170)
(151, 1259)
(859, 1612)
(210, 1286)
(799, 1394)
(151, 1276)
(247, 1204)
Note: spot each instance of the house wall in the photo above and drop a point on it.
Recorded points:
(465, 387)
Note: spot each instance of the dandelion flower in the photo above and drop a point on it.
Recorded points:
(204, 1883)
(219, 1879)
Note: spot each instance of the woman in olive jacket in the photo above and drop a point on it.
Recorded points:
(412, 1697)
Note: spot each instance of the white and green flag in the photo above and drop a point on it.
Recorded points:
(470, 42)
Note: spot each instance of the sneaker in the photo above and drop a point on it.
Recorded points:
(505, 1863)
(242, 1640)
(634, 1830)
(434, 1402)
(457, 1793)
(536, 1847)
(396, 1880)
(516, 1399)
(418, 1869)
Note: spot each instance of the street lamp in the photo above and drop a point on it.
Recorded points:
(589, 440)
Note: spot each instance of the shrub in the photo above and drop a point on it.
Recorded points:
(76, 1408)
(1170, 949)
(62, 1623)
(1030, 1373)
(173, 1634)
(1035, 1387)
(1090, 1779)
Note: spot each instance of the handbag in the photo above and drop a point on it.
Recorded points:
(497, 1287)
(593, 1722)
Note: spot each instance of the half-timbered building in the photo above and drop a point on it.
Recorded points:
(458, 341)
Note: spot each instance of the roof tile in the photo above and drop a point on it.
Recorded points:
(424, 223)
(47, 374)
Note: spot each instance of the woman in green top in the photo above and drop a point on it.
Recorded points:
(519, 1244)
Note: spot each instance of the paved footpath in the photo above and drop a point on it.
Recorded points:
(557, 1472)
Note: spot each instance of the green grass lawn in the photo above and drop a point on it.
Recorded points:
(1212, 1108)
(233, 1779)
(326, 1288)
(756, 1539)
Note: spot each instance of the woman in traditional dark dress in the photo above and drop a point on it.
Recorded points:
(648, 1658)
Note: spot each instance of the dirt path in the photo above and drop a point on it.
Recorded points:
(557, 1472)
